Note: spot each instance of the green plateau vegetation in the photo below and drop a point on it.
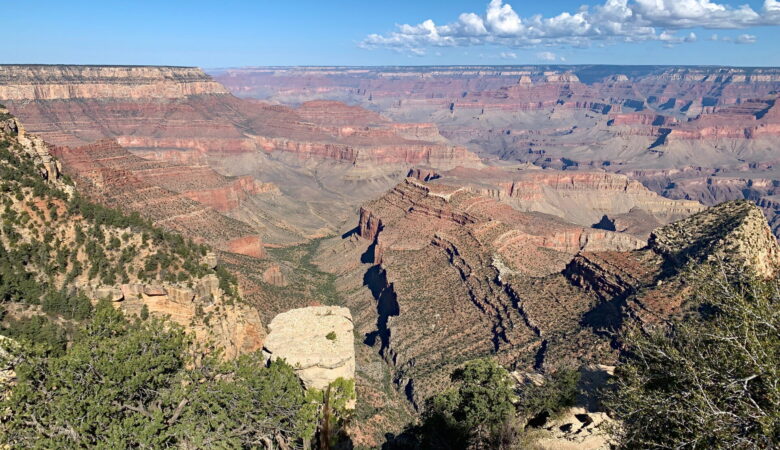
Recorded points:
(316, 284)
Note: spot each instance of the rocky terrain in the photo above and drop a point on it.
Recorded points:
(699, 133)
(455, 276)
(425, 217)
(73, 248)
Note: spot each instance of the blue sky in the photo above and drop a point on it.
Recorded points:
(239, 33)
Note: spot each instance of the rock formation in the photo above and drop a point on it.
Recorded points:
(180, 198)
(455, 275)
(104, 256)
(719, 121)
(585, 198)
(443, 259)
(317, 341)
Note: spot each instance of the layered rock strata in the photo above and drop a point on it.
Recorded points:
(447, 266)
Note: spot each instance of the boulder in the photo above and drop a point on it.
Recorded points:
(179, 295)
(577, 429)
(210, 260)
(132, 290)
(112, 293)
(316, 341)
(153, 290)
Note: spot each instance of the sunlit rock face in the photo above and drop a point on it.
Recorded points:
(316, 341)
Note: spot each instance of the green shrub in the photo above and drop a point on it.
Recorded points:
(125, 384)
(711, 381)
(475, 413)
(556, 393)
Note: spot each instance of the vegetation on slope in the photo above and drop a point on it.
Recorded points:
(710, 381)
(487, 409)
(124, 384)
(76, 375)
(53, 242)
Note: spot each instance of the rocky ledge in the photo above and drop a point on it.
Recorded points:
(317, 341)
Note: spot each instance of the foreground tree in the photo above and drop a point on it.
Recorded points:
(125, 384)
(711, 381)
(478, 413)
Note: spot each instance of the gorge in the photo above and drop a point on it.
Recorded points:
(426, 216)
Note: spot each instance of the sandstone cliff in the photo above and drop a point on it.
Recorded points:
(57, 82)
(585, 198)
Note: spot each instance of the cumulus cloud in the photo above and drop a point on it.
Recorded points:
(612, 21)
(508, 55)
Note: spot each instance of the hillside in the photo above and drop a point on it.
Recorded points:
(62, 253)
(456, 276)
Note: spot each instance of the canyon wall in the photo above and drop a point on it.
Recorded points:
(669, 122)
(456, 275)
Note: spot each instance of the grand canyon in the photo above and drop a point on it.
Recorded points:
(439, 215)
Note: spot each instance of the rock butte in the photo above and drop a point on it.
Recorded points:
(317, 341)
(456, 275)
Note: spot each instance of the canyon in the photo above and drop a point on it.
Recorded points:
(426, 216)
(698, 133)
(456, 276)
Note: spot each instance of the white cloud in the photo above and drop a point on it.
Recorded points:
(612, 21)
(547, 56)
(745, 39)
(508, 55)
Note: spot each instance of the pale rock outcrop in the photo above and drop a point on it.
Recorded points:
(202, 309)
(577, 429)
(37, 149)
(210, 260)
(317, 341)
(735, 233)
(111, 293)
(9, 349)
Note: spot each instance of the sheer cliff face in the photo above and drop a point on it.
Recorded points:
(605, 200)
(163, 109)
(26, 82)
